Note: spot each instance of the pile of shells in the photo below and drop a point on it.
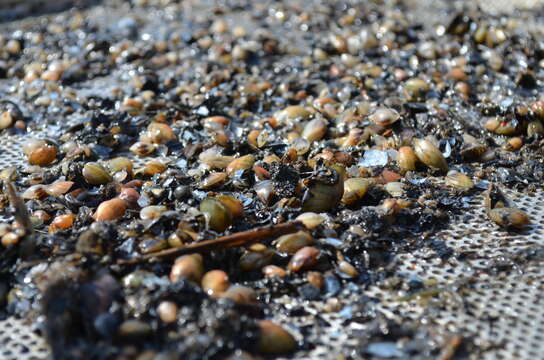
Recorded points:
(224, 164)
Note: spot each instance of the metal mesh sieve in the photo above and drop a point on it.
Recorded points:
(500, 311)
(19, 341)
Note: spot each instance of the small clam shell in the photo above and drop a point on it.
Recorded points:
(31, 145)
(501, 127)
(406, 159)
(304, 258)
(347, 269)
(429, 154)
(120, 164)
(234, 205)
(292, 113)
(130, 196)
(62, 222)
(274, 271)
(160, 133)
(6, 120)
(110, 210)
(215, 282)
(459, 181)
(190, 267)
(315, 130)
(265, 191)
(395, 188)
(311, 220)
(256, 260)
(167, 311)
(323, 197)
(535, 128)
(213, 180)
(215, 122)
(384, 117)
(509, 217)
(291, 243)
(416, 89)
(252, 138)
(142, 149)
(34, 192)
(274, 339)
(214, 159)
(43, 155)
(301, 146)
(240, 294)
(152, 168)
(218, 215)
(315, 278)
(355, 189)
(59, 188)
(355, 137)
(242, 163)
(513, 144)
(152, 212)
(95, 174)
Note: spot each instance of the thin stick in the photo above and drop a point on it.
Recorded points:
(228, 241)
(28, 244)
(21, 212)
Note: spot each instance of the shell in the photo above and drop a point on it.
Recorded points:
(406, 159)
(215, 282)
(120, 164)
(213, 180)
(159, 133)
(459, 181)
(96, 174)
(416, 89)
(355, 189)
(291, 113)
(315, 130)
(34, 192)
(62, 222)
(255, 260)
(142, 149)
(274, 339)
(384, 117)
(311, 220)
(232, 204)
(167, 311)
(43, 155)
(429, 154)
(59, 188)
(218, 215)
(242, 163)
(152, 212)
(274, 271)
(509, 217)
(291, 243)
(110, 210)
(347, 269)
(190, 267)
(304, 258)
(240, 294)
(265, 191)
(322, 197)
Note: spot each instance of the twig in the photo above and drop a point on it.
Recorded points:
(228, 241)
(28, 244)
(21, 212)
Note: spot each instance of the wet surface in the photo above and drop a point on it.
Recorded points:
(239, 115)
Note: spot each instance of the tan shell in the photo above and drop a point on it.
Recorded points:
(429, 154)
